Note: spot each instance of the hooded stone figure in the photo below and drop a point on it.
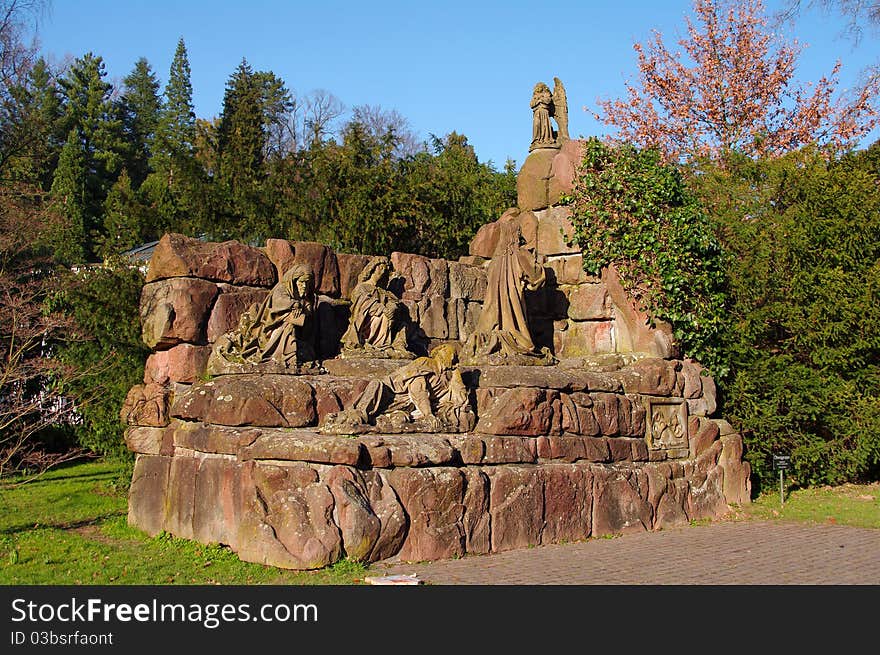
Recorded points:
(502, 331)
(269, 332)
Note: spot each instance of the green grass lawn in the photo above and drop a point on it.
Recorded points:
(847, 504)
(69, 527)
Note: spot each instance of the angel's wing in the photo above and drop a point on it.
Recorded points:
(560, 108)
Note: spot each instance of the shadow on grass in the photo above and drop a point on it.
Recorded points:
(66, 525)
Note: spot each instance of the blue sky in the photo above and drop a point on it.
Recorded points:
(446, 66)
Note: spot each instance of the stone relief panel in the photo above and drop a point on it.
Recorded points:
(666, 425)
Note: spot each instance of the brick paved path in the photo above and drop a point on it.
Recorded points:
(719, 553)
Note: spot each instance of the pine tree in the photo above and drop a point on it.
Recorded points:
(254, 103)
(175, 132)
(140, 106)
(32, 134)
(173, 183)
(125, 219)
(92, 117)
(67, 238)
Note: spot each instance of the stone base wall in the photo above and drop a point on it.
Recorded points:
(297, 499)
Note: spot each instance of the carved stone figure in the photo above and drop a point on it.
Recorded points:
(560, 111)
(377, 327)
(271, 331)
(542, 104)
(546, 105)
(502, 333)
(425, 395)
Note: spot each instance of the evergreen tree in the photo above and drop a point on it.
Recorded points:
(175, 132)
(32, 134)
(67, 238)
(125, 219)
(91, 116)
(253, 105)
(140, 106)
(173, 184)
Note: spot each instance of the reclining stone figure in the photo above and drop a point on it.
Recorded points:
(425, 395)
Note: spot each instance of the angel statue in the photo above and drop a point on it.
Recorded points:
(546, 105)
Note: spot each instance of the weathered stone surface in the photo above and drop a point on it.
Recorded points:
(175, 311)
(617, 506)
(421, 276)
(216, 439)
(288, 518)
(144, 440)
(568, 502)
(737, 485)
(468, 316)
(532, 180)
(563, 170)
(182, 363)
(414, 450)
(393, 522)
(216, 501)
(631, 416)
(650, 376)
(705, 435)
(569, 269)
(303, 446)
(433, 500)
(584, 338)
(577, 414)
(547, 377)
(358, 524)
(476, 518)
(555, 231)
(633, 333)
(229, 307)
(522, 411)
(516, 506)
(432, 317)
(640, 451)
(570, 448)
(350, 267)
(362, 368)
(146, 405)
(704, 464)
(180, 495)
(707, 499)
(707, 404)
(467, 282)
(690, 379)
(668, 497)
(588, 302)
(483, 449)
(177, 255)
(486, 239)
(257, 400)
(280, 252)
(607, 414)
(620, 449)
(146, 495)
(322, 261)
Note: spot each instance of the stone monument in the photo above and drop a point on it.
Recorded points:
(368, 453)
